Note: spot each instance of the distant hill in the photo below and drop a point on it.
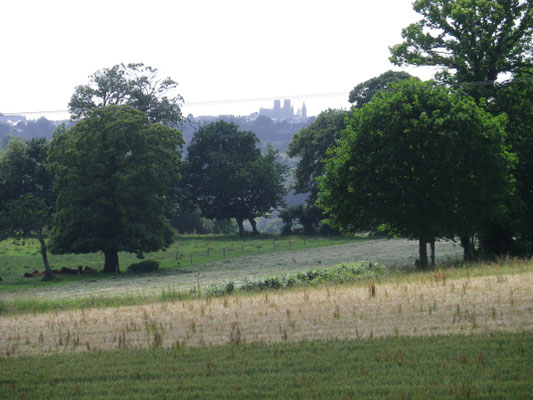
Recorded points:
(19, 126)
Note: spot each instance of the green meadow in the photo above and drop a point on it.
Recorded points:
(499, 366)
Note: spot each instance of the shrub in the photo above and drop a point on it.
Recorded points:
(144, 266)
(340, 273)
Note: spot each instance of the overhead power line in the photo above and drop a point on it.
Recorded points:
(210, 102)
(270, 98)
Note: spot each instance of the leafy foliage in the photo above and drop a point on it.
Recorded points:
(309, 217)
(311, 144)
(112, 172)
(513, 232)
(135, 85)
(406, 160)
(363, 92)
(187, 221)
(474, 41)
(226, 175)
(144, 266)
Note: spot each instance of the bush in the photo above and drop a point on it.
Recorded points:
(144, 266)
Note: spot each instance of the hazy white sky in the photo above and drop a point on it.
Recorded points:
(216, 50)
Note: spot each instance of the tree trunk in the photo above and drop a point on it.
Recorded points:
(468, 254)
(241, 226)
(254, 226)
(432, 247)
(48, 275)
(423, 253)
(111, 261)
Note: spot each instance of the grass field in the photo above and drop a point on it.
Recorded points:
(17, 293)
(457, 332)
(499, 366)
(187, 251)
(274, 257)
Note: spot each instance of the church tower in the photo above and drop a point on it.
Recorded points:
(304, 111)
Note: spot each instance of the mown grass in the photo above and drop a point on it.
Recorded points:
(499, 366)
(16, 259)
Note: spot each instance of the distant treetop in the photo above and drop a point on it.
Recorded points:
(135, 85)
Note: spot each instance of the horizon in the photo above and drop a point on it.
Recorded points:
(228, 58)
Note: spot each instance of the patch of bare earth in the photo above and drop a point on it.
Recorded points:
(435, 306)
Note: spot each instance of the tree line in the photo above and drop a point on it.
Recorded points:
(448, 158)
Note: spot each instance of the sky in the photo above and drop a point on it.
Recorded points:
(228, 57)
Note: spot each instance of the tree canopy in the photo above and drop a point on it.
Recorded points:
(135, 85)
(363, 92)
(427, 162)
(112, 173)
(227, 176)
(310, 145)
(473, 41)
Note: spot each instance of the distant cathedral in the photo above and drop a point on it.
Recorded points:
(285, 112)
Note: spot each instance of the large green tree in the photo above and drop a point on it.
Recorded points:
(474, 44)
(424, 161)
(472, 41)
(112, 173)
(135, 85)
(26, 199)
(227, 176)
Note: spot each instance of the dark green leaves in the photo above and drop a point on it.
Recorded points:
(474, 41)
(227, 176)
(425, 161)
(112, 173)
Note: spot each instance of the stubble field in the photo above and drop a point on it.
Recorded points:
(432, 306)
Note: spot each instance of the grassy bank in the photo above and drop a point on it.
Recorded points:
(442, 367)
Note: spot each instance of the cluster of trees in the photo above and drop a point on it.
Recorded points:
(227, 176)
(113, 181)
(443, 159)
(310, 146)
